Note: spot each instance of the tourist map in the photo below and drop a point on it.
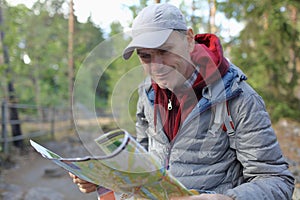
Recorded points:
(124, 167)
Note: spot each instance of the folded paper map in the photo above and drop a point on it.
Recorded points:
(124, 167)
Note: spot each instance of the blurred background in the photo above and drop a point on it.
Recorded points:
(45, 42)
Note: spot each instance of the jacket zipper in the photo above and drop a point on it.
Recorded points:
(170, 107)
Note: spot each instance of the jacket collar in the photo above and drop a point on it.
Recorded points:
(219, 91)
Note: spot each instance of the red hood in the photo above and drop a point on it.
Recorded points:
(208, 55)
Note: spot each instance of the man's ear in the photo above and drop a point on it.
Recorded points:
(190, 39)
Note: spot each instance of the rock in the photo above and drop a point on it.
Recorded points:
(12, 195)
(11, 192)
(54, 172)
(296, 195)
(42, 193)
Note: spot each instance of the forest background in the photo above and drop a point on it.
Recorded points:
(43, 50)
(42, 53)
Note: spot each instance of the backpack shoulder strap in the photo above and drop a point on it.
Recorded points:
(222, 118)
(228, 125)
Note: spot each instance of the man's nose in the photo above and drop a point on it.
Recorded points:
(156, 63)
(157, 58)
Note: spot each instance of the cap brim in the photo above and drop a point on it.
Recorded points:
(150, 40)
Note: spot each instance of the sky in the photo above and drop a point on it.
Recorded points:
(102, 14)
(117, 10)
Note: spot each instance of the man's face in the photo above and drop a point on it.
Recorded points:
(169, 65)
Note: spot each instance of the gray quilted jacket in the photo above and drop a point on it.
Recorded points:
(245, 164)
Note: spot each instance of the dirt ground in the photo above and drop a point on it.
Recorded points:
(32, 171)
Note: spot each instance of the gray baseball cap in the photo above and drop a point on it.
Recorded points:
(153, 26)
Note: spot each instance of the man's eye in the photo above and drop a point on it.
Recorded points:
(144, 56)
(163, 52)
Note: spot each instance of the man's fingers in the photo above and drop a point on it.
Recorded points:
(76, 180)
(84, 186)
(72, 175)
(80, 181)
(87, 187)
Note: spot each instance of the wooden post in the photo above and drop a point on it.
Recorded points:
(4, 127)
(52, 128)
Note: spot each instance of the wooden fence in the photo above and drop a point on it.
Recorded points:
(36, 121)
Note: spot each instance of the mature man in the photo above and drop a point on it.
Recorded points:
(197, 114)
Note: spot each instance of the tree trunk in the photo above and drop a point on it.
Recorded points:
(14, 116)
(212, 16)
(292, 65)
(13, 111)
(71, 61)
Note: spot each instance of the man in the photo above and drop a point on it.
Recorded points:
(197, 114)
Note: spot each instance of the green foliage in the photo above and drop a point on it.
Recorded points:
(281, 108)
(124, 78)
(267, 49)
(41, 33)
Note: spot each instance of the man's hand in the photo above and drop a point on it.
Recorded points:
(84, 186)
(204, 197)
